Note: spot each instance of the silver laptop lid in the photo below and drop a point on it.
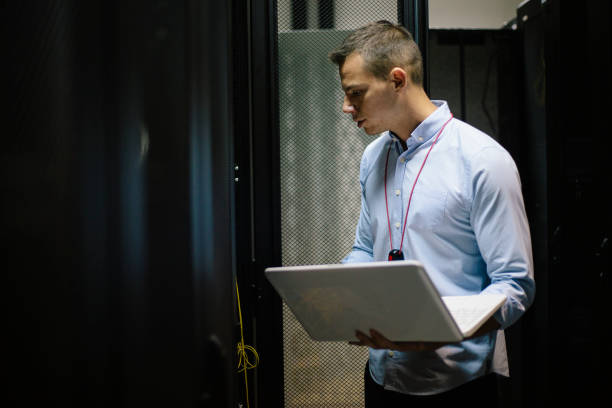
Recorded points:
(396, 298)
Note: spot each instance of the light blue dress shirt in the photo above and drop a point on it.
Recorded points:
(466, 224)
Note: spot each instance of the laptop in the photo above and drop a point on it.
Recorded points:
(396, 298)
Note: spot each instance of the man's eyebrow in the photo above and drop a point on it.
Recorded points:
(352, 86)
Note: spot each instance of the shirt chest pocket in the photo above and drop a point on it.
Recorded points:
(427, 209)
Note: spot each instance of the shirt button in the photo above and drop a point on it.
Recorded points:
(402, 159)
(397, 192)
(397, 225)
(390, 353)
(420, 139)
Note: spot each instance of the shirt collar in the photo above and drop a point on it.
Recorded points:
(428, 128)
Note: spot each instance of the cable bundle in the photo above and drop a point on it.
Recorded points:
(243, 350)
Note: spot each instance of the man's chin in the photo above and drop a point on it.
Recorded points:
(370, 131)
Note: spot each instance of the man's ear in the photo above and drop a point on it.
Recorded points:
(399, 77)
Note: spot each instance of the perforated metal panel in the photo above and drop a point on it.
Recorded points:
(320, 195)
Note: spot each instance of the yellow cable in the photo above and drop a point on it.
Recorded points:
(243, 359)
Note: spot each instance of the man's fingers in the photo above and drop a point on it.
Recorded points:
(419, 346)
(382, 341)
(364, 340)
(378, 341)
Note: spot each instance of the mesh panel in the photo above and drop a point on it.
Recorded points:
(320, 195)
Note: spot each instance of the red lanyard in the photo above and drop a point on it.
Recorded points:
(411, 191)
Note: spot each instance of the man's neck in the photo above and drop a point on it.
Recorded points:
(416, 109)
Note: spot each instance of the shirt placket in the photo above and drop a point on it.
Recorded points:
(404, 180)
(398, 207)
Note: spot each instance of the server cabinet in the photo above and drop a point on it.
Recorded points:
(566, 49)
(117, 204)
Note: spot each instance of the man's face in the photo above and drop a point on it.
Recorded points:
(368, 99)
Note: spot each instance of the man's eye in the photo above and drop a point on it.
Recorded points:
(356, 93)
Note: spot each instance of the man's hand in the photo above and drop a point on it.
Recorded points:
(378, 341)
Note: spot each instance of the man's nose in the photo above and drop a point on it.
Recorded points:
(347, 107)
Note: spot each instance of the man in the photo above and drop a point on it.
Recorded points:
(439, 191)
